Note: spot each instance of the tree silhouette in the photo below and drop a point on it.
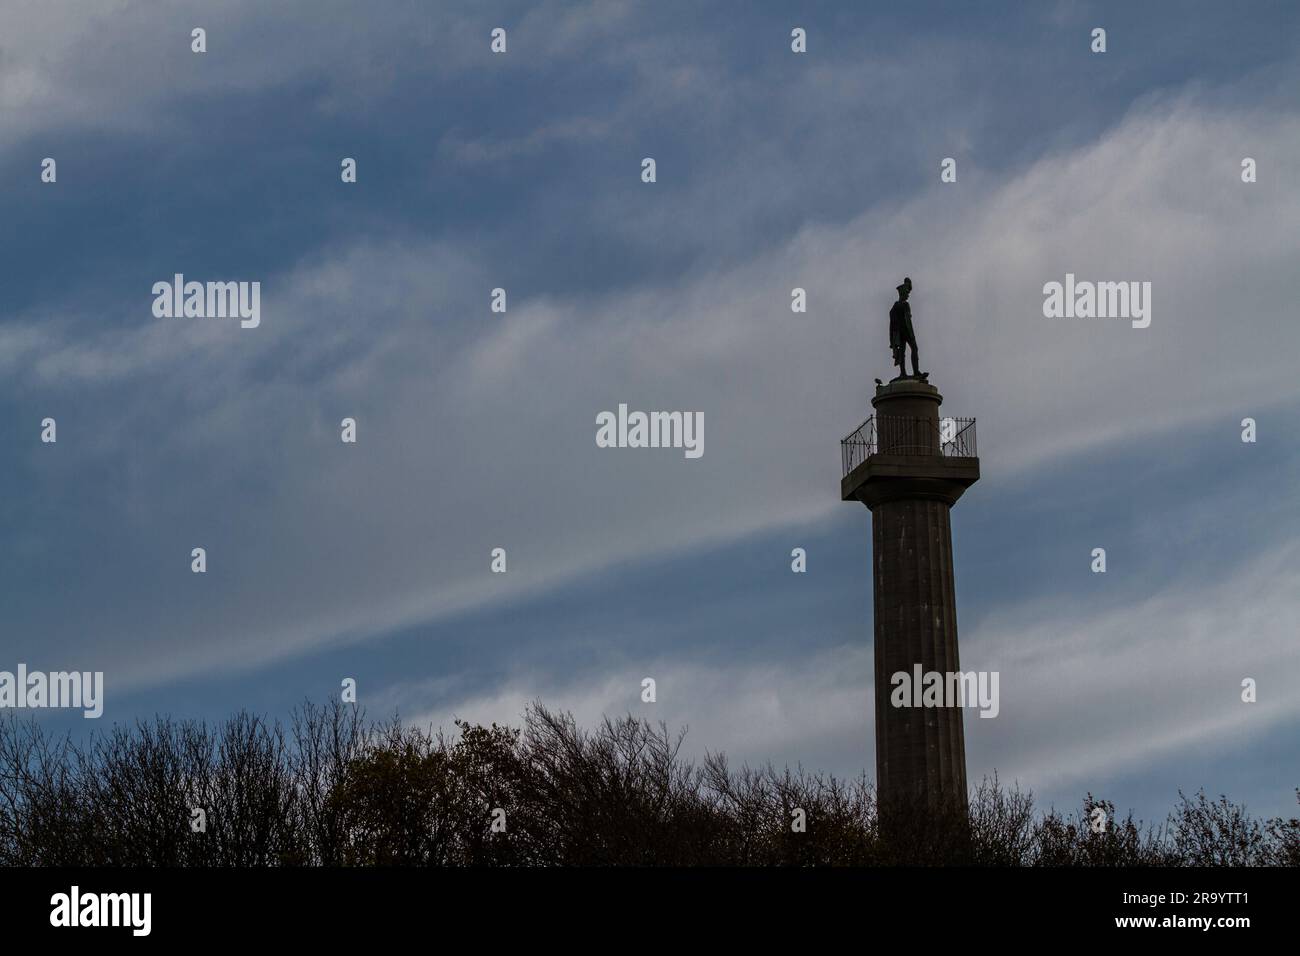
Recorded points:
(335, 790)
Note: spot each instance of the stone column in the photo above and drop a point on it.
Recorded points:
(910, 487)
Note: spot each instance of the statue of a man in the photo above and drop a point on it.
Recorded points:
(900, 332)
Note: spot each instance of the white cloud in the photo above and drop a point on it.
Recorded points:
(1087, 692)
(477, 430)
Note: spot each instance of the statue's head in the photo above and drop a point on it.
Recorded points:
(905, 289)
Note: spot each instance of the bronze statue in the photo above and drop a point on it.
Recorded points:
(901, 334)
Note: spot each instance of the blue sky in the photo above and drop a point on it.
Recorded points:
(476, 430)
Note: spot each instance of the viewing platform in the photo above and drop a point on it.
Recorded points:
(907, 448)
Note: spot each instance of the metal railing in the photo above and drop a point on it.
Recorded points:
(893, 435)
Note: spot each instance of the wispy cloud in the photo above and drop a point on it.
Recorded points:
(477, 429)
(1087, 692)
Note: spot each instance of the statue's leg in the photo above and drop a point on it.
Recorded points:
(916, 365)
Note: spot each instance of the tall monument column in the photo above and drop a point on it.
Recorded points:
(909, 466)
